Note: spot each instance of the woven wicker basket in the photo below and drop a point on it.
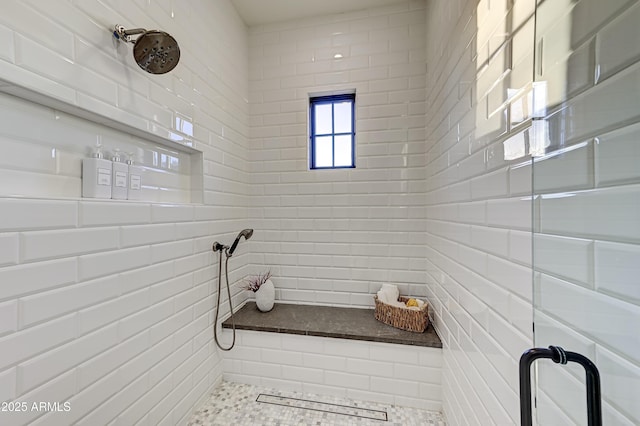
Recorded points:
(405, 319)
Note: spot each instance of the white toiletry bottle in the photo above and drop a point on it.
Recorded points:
(120, 177)
(135, 180)
(96, 175)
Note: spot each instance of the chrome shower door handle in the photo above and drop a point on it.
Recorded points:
(559, 356)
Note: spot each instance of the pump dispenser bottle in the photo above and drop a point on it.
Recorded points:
(135, 179)
(120, 177)
(96, 175)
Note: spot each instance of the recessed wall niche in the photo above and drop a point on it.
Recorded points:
(44, 142)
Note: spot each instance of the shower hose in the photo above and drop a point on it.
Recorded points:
(215, 323)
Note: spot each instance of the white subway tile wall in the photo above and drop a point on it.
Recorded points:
(108, 305)
(584, 210)
(334, 236)
(478, 186)
(393, 374)
(587, 228)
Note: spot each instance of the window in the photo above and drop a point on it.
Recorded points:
(332, 132)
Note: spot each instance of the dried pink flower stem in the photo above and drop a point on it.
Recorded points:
(253, 283)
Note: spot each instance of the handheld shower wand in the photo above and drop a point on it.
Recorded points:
(246, 233)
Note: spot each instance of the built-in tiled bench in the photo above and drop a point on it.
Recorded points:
(328, 321)
(334, 351)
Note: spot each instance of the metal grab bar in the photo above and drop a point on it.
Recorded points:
(559, 356)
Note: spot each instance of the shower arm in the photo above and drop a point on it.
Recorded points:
(125, 35)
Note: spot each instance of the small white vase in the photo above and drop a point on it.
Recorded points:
(265, 296)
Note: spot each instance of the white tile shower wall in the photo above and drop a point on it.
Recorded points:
(109, 305)
(478, 208)
(584, 211)
(382, 372)
(334, 236)
(592, 216)
(50, 166)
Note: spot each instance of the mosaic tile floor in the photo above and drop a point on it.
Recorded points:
(236, 404)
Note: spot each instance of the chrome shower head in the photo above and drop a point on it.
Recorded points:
(246, 233)
(156, 52)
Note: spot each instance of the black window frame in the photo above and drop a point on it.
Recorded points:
(331, 99)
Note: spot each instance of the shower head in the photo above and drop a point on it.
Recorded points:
(246, 233)
(156, 52)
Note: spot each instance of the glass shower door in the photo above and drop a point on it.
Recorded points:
(585, 140)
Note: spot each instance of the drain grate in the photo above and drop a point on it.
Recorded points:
(345, 410)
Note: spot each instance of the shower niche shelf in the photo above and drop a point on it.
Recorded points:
(59, 134)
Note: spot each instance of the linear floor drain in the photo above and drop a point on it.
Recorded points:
(346, 410)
